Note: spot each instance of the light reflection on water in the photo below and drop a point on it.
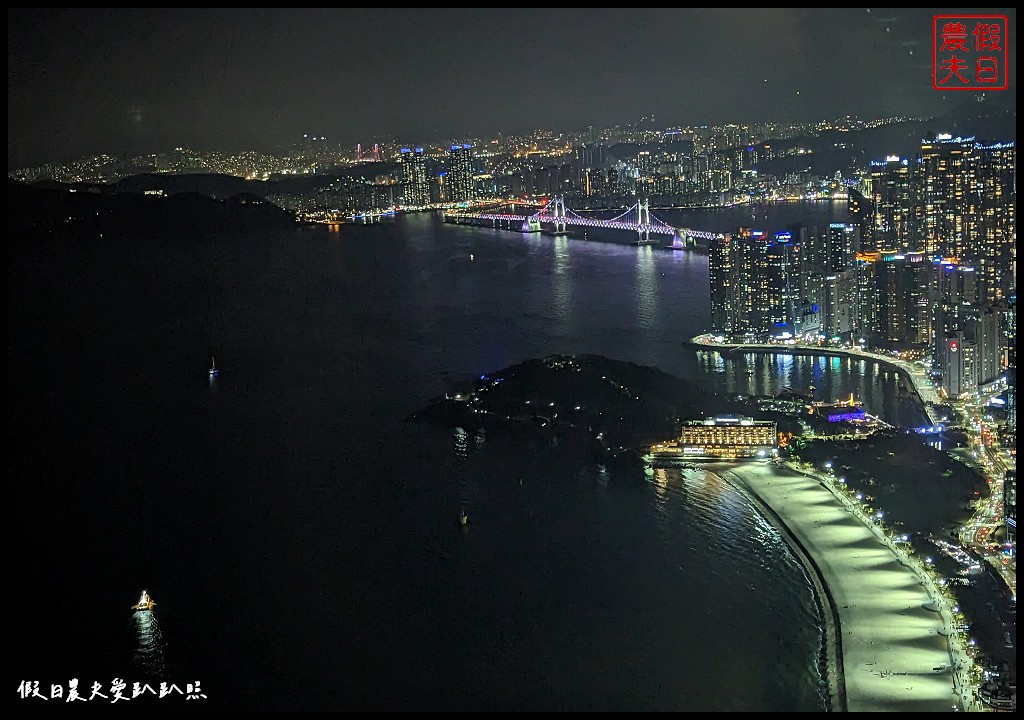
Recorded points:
(149, 647)
(828, 378)
(573, 590)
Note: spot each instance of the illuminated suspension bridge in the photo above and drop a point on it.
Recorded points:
(558, 217)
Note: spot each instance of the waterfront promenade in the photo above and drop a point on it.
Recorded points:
(913, 373)
(893, 647)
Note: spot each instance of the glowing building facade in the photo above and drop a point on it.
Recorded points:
(415, 182)
(721, 437)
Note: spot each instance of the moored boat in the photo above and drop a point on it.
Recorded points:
(145, 602)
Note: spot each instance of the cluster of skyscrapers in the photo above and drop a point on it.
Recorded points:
(926, 267)
(454, 184)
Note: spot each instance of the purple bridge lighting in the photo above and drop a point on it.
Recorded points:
(638, 219)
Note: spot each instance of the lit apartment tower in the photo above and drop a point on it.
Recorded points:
(415, 183)
(784, 284)
(866, 302)
(644, 174)
(895, 199)
(1008, 331)
(460, 178)
(862, 214)
(838, 304)
(956, 284)
(590, 155)
(701, 174)
(811, 271)
(814, 248)
(721, 180)
(751, 157)
(752, 285)
(983, 334)
(904, 313)
(948, 197)
(644, 164)
(951, 365)
(843, 243)
(740, 297)
(997, 224)
(1011, 404)
(1010, 511)
(590, 163)
(954, 297)
(722, 277)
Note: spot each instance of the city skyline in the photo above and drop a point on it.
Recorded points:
(83, 82)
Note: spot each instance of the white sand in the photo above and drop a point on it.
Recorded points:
(890, 640)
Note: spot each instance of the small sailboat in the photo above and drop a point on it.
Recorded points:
(463, 520)
(145, 602)
(213, 367)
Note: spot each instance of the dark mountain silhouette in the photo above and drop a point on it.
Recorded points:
(225, 186)
(40, 213)
(991, 121)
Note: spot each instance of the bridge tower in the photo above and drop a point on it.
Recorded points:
(560, 216)
(680, 238)
(643, 212)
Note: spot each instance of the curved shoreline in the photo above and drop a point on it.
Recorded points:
(831, 661)
(886, 645)
(919, 391)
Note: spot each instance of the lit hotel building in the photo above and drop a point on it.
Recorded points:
(721, 437)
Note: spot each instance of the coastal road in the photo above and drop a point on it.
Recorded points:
(892, 620)
(914, 372)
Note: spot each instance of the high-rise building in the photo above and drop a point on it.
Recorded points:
(810, 271)
(895, 198)
(995, 249)
(1011, 405)
(838, 305)
(1008, 331)
(866, 302)
(862, 214)
(952, 366)
(722, 278)
(785, 279)
(983, 334)
(590, 155)
(954, 298)
(461, 175)
(740, 296)
(700, 179)
(843, 243)
(415, 183)
(949, 210)
(969, 207)
(590, 164)
(1010, 511)
(904, 318)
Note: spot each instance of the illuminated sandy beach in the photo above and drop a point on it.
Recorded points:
(891, 652)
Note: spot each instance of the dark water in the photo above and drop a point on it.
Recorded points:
(301, 540)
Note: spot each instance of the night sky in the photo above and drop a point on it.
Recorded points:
(83, 81)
